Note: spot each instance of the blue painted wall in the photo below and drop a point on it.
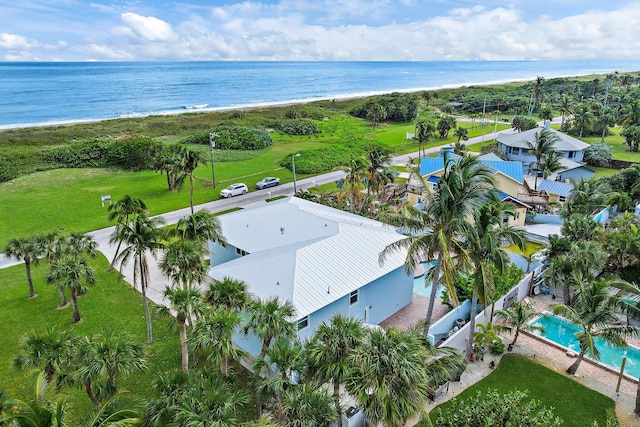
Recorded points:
(385, 296)
(220, 255)
(577, 174)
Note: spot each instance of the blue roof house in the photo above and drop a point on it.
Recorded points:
(323, 260)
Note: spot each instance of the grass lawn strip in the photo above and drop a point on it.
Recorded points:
(576, 404)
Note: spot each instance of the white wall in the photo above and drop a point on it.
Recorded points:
(521, 290)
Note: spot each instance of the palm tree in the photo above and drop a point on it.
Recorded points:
(189, 161)
(377, 175)
(140, 236)
(461, 133)
(485, 239)
(425, 130)
(228, 293)
(584, 117)
(73, 273)
(328, 352)
(187, 304)
(566, 109)
(586, 197)
(582, 256)
(537, 95)
(436, 232)
(270, 319)
(551, 163)
(121, 211)
(631, 114)
(201, 227)
(55, 246)
(183, 263)
(592, 310)
(519, 317)
(40, 411)
(307, 405)
(50, 349)
(392, 371)
(211, 401)
(28, 250)
(543, 143)
(107, 355)
(352, 185)
(214, 333)
(376, 112)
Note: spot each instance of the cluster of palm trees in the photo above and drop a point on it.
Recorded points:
(66, 254)
(463, 226)
(61, 359)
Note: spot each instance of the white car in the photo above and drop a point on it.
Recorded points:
(234, 190)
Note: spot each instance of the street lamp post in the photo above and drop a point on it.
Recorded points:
(212, 143)
(293, 167)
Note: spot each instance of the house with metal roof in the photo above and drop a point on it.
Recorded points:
(508, 178)
(516, 147)
(323, 260)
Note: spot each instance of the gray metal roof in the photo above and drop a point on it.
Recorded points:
(564, 143)
(310, 264)
(554, 187)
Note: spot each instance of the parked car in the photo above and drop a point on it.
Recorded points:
(267, 182)
(234, 190)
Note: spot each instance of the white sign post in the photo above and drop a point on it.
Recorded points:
(106, 198)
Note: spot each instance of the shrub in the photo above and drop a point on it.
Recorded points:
(399, 107)
(494, 409)
(598, 154)
(134, 153)
(7, 170)
(232, 137)
(299, 127)
(327, 158)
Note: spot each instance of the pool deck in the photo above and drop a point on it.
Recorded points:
(589, 374)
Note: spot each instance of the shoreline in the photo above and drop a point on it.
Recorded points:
(280, 104)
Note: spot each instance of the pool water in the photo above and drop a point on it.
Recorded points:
(563, 332)
(422, 288)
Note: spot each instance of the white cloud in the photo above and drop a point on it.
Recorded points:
(330, 30)
(148, 27)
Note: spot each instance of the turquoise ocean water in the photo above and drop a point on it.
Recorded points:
(34, 93)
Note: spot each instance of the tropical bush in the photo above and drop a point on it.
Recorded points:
(232, 137)
(299, 127)
(7, 170)
(598, 154)
(327, 158)
(134, 153)
(399, 107)
(492, 408)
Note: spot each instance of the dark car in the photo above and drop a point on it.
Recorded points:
(267, 182)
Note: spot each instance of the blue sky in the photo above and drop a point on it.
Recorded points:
(356, 30)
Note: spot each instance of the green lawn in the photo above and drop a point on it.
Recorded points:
(576, 404)
(619, 150)
(110, 304)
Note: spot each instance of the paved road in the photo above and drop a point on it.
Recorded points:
(158, 281)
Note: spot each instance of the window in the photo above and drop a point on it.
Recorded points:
(571, 155)
(562, 199)
(241, 252)
(303, 323)
(353, 297)
(514, 150)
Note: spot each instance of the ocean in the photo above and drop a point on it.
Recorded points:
(33, 93)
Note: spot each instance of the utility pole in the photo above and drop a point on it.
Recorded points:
(604, 109)
(212, 144)
(484, 108)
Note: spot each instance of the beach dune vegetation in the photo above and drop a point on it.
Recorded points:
(231, 137)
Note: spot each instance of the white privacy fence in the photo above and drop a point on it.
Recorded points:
(458, 339)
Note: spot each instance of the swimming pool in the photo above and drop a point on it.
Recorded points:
(562, 332)
(422, 288)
